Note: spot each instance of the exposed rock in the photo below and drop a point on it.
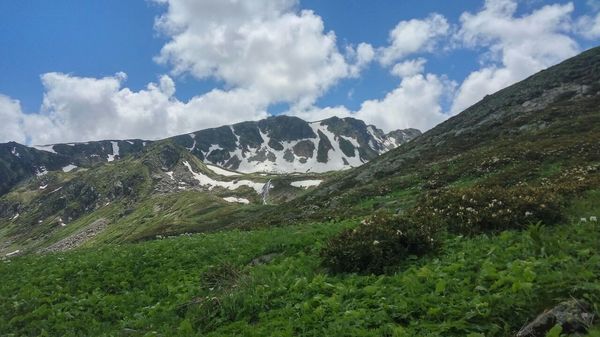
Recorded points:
(574, 316)
(79, 238)
(304, 148)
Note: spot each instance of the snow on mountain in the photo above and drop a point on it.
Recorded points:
(280, 144)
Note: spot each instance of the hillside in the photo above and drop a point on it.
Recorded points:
(541, 128)
(160, 191)
(476, 228)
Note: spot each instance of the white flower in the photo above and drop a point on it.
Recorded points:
(583, 220)
(528, 213)
(375, 242)
(594, 219)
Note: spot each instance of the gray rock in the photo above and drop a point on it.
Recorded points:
(574, 316)
(79, 238)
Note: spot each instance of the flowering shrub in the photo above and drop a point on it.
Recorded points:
(475, 210)
(378, 242)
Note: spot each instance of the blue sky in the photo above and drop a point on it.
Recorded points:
(73, 53)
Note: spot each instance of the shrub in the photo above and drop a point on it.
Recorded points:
(378, 242)
(474, 210)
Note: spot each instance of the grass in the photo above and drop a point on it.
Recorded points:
(486, 284)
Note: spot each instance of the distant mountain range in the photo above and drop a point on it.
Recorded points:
(280, 144)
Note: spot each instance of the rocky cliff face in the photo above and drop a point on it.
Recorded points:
(286, 144)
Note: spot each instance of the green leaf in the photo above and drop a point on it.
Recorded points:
(555, 331)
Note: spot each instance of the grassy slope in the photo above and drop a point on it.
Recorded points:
(527, 139)
(486, 284)
(134, 215)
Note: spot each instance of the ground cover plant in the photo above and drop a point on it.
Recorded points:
(207, 285)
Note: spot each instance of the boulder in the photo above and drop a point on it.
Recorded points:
(574, 316)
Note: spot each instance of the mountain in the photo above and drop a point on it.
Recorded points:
(284, 144)
(531, 148)
(280, 144)
(64, 195)
(543, 127)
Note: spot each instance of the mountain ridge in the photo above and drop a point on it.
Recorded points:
(279, 144)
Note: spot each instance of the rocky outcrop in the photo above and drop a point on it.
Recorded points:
(573, 316)
(79, 238)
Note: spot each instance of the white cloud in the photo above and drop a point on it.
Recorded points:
(415, 103)
(594, 4)
(409, 68)
(518, 46)
(11, 120)
(81, 108)
(414, 36)
(588, 26)
(362, 56)
(265, 46)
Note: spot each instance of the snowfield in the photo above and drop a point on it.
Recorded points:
(220, 171)
(210, 183)
(237, 200)
(306, 183)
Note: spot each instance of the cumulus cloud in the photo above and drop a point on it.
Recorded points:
(11, 120)
(588, 26)
(414, 36)
(415, 103)
(81, 108)
(267, 46)
(518, 46)
(409, 68)
(362, 56)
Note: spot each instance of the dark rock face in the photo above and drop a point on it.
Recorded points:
(18, 162)
(403, 136)
(286, 128)
(573, 316)
(324, 147)
(304, 148)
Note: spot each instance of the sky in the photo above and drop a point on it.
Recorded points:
(74, 70)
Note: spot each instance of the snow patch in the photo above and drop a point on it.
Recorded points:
(193, 146)
(47, 148)
(13, 253)
(170, 174)
(43, 187)
(115, 151)
(238, 200)
(41, 171)
(209, 182)
(306, 183)
(15, 217)
(223, 172)
(69, 168)
(237, 142)
(214, 147)
(15, 153)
